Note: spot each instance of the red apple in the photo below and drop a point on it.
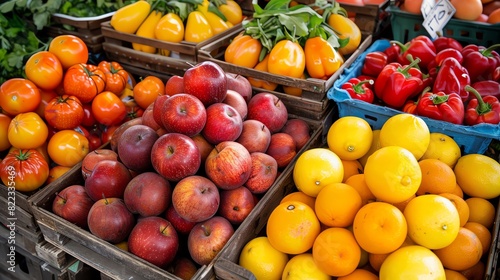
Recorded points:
(155, 240)
(134, 147)
(73, 204)
(264, 173)
(196, 198)
(207, 239)
(95, 156)
(239, 84)
(148, 194)
(108, 179)
(207, 81)
(110, 220)
(174, 85)
(255, 136)
(269, 109)
(299, 130)
(181, 225)
(236, 204)
(175, 156)
(282, 148)
(149, 119)
(224, 123)
(158, 108)
(113, 142)
(229, 165)
(204, 146)
(184, 268)
(237, 101)
(184, 113)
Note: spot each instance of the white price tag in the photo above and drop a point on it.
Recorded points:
(426, 7)
(438, 17)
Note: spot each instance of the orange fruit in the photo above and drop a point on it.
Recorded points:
(433, 221)
(402, 205)
(454, 275)
(262, 259)
(336, 252)
(147, 90)
(359, 274)
(467, 9)
(303, 266)
(351, 167)
(337, 204)
(444, 148)
(376, 260)
(494, 17)
(379, 227)
(358, 182)
(292, 227)
(412, 262)
(373, 147)
(407, 131)
(463, 253)
(482, 233)
(476, 272)
(437, 177)
(458, 191)
(316, 168)
(481, 211)
(478, 175)
(299, 196)
(392, 173)
(349, 137)
(461, 205)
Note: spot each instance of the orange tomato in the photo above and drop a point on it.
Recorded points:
(27, 131)
(108, 109)
(44, 69)
(494, 17)
(467, 9)
(19, 95)
(4, 126)
(69, 49)
(147, 90)
(68, 147)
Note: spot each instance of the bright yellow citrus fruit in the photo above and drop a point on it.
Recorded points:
(407, 131)
(292, 227)
(412, 262)
(444, 148)
(350, 137)
(260, 258)
(359, 274)
(478, 175)
(373, 147)
(316, 168)
(433, 221)
(302, 266)
(392, 174)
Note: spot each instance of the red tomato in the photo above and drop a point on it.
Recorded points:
(4, 127)
(133, 112)
(108, 108)
(18, 95)
(47, 96)
(84, 81)
(88, 117)
(24, 169)
(95, 140)
(68, 147)
(69, 49)
(116, 77)
(64, 112)
(27, 131)
(44, 69)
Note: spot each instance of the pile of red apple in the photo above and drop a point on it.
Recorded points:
(191, 168)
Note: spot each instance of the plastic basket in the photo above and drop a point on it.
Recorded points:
(406, 26)
(471, 139)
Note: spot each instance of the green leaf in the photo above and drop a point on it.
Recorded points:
(296, 24)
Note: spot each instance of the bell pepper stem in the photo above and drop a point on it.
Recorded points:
(358, 88)
(402, 46)
(482, 107)
(412, 64)
(487, 52)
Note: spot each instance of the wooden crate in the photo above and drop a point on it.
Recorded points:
(105, 257)
(371, 19)
(24, 238)
(313, 104)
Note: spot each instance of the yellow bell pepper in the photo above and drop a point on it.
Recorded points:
(128, 18)
(147, 30)
(232, 11)
(258, 83)
(218, 24)
(244, 50)
(346, 28)
(197, 28)
(287, 58)
(322, 60)
(170, 28)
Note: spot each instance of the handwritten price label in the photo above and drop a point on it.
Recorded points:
(426, 7)
(438, 17)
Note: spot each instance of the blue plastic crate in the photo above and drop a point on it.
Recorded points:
(471, 139)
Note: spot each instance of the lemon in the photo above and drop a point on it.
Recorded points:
(374, 146)
(443, 148)
(478, 176)
(349, 137)
(260, 258)
(302, 267)
(407, 131)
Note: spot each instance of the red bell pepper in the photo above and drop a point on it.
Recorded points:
(410, 106)
(374, 63)
(360, 90)
(482, 109)
(397, 83)
(480, 61)
(442, 43)
(421, 47)
(392, 52)
(441, 106)
(487, 87)
(496, 74)
(434, 65)
(452, 77)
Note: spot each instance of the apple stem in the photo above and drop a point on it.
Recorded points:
(205, 230)
(64, 199)
(163, 230)
(277, 101)
(105, 199)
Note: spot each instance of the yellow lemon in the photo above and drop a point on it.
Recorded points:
(407, 131)
(349, 137)
(301, 267)
(478, 175)
(444, 148)
(260, 258)
(374, 146)
(316, 168)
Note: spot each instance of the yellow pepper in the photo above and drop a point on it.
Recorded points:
(258, 83)
(170, 28)
(244, 50)
(232, 11)
(346, 28)
(147, 30)
(287, 58)
(218, 24)
(295, 91)
(128, 18)
(197, 28)
(322, 60)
